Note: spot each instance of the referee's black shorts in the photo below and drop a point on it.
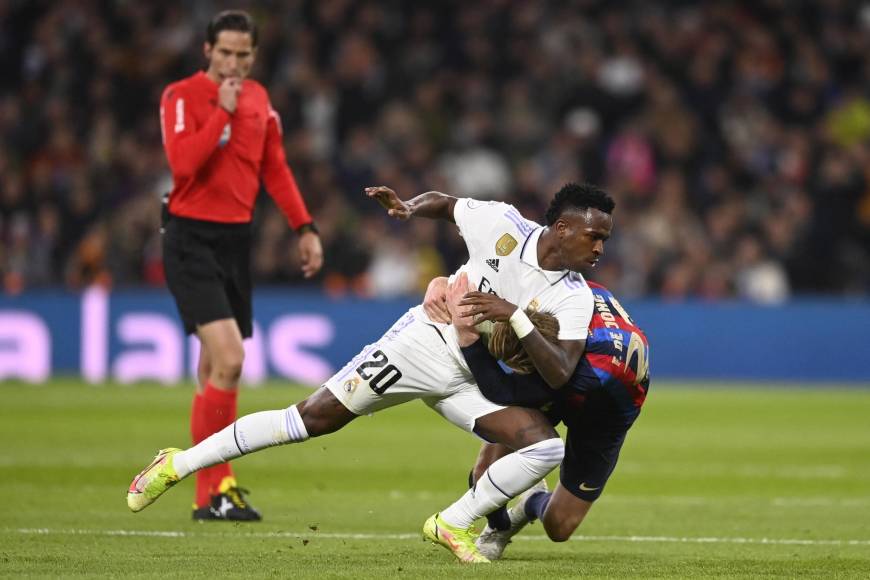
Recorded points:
(208, 271)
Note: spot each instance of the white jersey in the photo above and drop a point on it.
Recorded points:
(503, 260)
(421, 359)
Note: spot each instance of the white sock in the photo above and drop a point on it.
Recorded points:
(248, 434)
(506, 478)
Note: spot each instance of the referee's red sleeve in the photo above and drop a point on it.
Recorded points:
(278, 178)
(187, 146)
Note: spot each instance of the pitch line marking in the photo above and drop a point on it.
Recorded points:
(372, 536)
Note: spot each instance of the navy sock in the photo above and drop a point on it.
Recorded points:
(536, 505)
(499, 519)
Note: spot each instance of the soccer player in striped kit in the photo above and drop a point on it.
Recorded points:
(222, 138)
(598, 405)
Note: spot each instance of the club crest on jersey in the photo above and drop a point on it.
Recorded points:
(350, 385)
(534, 305)
(225, 136)
(493, 263)
(505, 245)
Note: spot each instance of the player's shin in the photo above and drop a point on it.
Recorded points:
(506, 478)
(250, 433)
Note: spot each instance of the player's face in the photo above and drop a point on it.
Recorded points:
(231, 56)
(582, 234)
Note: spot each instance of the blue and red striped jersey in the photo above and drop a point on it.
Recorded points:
(615, 363)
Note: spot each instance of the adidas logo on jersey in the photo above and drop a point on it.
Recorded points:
(493, 263)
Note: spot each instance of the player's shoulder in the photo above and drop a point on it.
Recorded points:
(599, 289)
(573, 287)
(255, 87)
(576, 281)
(182, 87)
(494, 215)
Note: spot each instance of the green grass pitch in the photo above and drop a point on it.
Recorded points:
(715, 481)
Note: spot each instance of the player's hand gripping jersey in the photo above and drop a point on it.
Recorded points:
(608, 386)
(503, 260)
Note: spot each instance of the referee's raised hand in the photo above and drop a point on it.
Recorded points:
(228, 93)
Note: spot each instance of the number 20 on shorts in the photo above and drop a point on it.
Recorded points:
(379, 380)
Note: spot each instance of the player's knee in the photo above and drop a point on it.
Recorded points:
(561, 522)
(548, 452)
(322, 413)
(229, 366)
(560, 532)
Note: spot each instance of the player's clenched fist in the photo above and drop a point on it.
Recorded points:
(228, 93)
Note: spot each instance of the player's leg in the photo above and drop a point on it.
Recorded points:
(323, 414)
(319, 414)
(203, 368)
(199, 430)
(224, 353)
(537, 449)
(215, 406)
(206, 269)
(490, 453)
(369, 382)
(590, 458)
(561, 511)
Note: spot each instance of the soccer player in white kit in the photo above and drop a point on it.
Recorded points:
(527, 264)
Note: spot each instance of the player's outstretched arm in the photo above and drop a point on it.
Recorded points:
(554, 362)
(432, 204)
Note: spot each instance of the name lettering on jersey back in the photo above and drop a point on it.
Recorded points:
(604, 311)
(609, 320)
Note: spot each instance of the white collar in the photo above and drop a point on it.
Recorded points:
(529, 255)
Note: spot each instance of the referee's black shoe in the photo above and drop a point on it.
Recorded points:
(229, 504)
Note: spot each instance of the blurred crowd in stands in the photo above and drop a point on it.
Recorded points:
(735, 136)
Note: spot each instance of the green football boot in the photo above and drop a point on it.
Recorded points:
(458, 540)
(153, 480)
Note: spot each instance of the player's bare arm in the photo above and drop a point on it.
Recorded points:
(432, 204)
(554, 362)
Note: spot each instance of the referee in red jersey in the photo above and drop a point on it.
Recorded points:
(222, 137)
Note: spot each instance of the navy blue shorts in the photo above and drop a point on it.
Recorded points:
(590, 458)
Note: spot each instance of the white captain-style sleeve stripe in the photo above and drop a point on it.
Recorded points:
(476, 219)
(524, 226)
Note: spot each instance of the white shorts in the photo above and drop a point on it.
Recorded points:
(411, 361)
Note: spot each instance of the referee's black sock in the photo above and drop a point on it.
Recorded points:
(497, 520)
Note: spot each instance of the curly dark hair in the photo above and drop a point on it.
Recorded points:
(580, 196)
(237, 20)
